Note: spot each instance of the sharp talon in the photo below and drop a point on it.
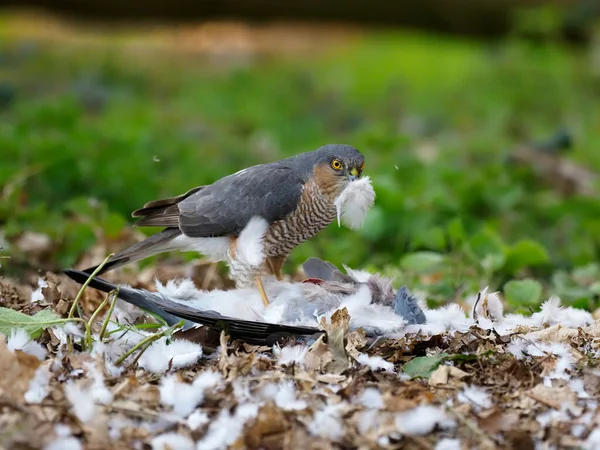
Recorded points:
(261, 289)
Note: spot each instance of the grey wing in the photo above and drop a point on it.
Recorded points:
(225, 207)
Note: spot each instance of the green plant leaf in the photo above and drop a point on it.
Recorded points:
(523, 254)
(523, 292)
(423, 366)
(13, 320)
(421, 261)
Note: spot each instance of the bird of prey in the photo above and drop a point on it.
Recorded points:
(324, 291)
(253, 218)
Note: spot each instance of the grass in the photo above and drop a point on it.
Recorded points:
(435, 117)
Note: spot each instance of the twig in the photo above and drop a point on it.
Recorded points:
(146, 342)
(115, 294)
(87, 282)
(80, 293)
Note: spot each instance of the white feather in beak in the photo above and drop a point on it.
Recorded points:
(354, 202)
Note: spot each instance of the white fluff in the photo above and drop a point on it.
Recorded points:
(176, 354)
(447, 318)
(37, 295)
(448, 444)
(593, 440)
(491, 303)
(184, 397)
(171, 441)
(64, 443)
(284, 395)
(227, 428)
(476, 396)
(422, 420)
(290, 355)
(212, 248)
(84, 399)
(370, 398)
(19, 339)
(552, 312)
(375, 362)
(250, 241)
(353, 204)
(38, 386)
(197, 419)
(327, 422)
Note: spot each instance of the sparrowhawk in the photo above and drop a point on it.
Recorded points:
(276, 206)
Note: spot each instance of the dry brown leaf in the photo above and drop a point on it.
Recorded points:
(495, 420)
(440, 376)
(355, 340)
(267, 429)
(318, 356)
(17, 370)
(554, 397)
(336, 332)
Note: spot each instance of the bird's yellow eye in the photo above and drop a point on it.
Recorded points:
(362, 166)
(336, 164)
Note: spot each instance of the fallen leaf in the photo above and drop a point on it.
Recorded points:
(17, 370)
(423, 366)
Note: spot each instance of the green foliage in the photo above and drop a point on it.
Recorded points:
(87, 137)
(11, 320)
(525, 293)
(423, 366)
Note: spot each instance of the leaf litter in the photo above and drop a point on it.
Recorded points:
(486, 379)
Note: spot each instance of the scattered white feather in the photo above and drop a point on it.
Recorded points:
(593, 440)
(38, 386)
(490, 304)
(197, 419)
(552, 313)
(375, 362)
(447, 318)
(563, 358)
(82, 405)
(184, 397)
(290, 355)
(68, 329)
(448, 444)
(250, 241)
(284, 395)
(19, 339)
(422, 420)
(37, 295)
(64, 443)
(476, 396)
(577, 386)
(370, 398)
(327, 423)
(181, 289)
(177, 353)
(355, 201)
(171, 441)
(84, 399)
(227, 428)
(361, 276)
(517, 346)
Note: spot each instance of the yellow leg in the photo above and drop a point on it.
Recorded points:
(261, 289)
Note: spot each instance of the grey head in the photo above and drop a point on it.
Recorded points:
(344, 161)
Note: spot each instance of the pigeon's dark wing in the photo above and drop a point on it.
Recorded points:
(172, 312)
(323, 270)
(224, 208)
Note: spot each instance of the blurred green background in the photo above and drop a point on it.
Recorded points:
(93, 124)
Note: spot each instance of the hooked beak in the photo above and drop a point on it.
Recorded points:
(353, 174)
